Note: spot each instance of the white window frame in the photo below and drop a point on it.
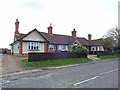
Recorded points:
(94, 48)
(33, 45)
(52, 47)
(63, 47)
(76, 43)
(101, 48)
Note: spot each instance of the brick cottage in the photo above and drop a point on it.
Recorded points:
(36, 41)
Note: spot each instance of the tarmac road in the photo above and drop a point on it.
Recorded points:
(96, 75)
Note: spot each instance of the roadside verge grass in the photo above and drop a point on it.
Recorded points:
(109, 56)
(59, 62)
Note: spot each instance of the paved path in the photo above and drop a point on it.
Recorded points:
(11, 64)
(93, 57)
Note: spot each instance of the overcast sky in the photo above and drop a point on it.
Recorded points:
(95, 17)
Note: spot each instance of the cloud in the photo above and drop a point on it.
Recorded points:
(32, 4)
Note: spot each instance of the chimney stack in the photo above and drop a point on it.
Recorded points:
(89, 36)
(16, 27)
(74, 33)
(50, 29)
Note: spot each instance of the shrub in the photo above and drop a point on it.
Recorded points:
(79, 49)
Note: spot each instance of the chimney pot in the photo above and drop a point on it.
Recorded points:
(16, 27)
(89, 36)
(74, 33)
(50, 29)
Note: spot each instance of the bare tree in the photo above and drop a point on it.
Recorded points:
(112, 39)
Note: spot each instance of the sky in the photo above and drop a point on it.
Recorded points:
(94, 17)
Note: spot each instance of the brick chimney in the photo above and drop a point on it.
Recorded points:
(50, 29)
(16, 27)
(89, 36)
(74, 33)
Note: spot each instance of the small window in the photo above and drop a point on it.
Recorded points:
(33, 45)
(63, 47)
(76, 43)
(100, 48)
(52, 47)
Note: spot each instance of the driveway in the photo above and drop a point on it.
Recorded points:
(11, 63)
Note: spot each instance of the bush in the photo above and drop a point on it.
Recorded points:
(79, 49)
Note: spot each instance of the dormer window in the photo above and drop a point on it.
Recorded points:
(76, 43)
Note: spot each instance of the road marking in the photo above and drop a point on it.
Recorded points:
(5, 81)
(86, 80)
(109, 72)
(95, 77)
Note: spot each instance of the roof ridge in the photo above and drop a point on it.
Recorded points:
(62, 35)
(96, 39)
(21, 33)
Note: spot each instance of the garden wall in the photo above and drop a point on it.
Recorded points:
(53, 56)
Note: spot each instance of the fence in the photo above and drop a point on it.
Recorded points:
(53, 56)
(105, 53)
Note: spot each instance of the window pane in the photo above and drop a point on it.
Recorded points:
(28, 47)
(52, 47)
(33, 45)
(63, 47)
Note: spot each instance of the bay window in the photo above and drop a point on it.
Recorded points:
(33, 46)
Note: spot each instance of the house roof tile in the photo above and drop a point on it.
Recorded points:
(95, 42)
(18, 37)
(63, 39)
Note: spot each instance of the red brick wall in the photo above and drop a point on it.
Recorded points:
(57, 47)
(89, 36)
(20, 47)
(96, 48)
(50, 30)
(16, 27)
(24, 55)
(46, 47)
(74, 33)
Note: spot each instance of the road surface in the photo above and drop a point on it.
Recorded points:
(96, 75)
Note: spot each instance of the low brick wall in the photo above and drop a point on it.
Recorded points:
(53, 56)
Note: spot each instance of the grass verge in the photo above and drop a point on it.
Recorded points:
(59, 62)
(109, 56)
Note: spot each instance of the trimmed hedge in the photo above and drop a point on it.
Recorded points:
(53, 56)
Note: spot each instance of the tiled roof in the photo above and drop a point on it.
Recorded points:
(18, 37)
(63, 39)
(95, 42)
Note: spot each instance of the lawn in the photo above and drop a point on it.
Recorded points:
(109, 56)
(59, 62)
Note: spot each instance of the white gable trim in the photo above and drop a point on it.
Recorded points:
(78, 43)
(33, 36)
